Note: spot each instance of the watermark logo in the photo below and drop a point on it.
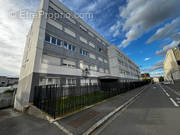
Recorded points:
(27, 14)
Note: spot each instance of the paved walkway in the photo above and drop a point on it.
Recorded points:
(14, 123)
(78, 123)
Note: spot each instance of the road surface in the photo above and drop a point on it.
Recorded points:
(155, 112)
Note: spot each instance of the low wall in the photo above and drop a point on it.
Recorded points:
(6, 100)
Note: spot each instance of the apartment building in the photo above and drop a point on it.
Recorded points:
(172, 64)
(121, 66)
(60, 49)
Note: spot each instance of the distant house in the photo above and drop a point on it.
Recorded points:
(156, 79)
(146, 76)
(3, 81)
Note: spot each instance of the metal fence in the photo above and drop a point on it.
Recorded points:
(60, 100)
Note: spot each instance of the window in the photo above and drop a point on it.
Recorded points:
(92, 56)
(71, 19)
(58, 42)
(71, 33)
(106, 71)
(53, 40)
(101, 70)
(91, 44)
(100, 59)
(83, 40)
(93, 67)
(50, 60)
(100, 49)
(105, 61)
(178, 62)
(98, 39)
(69, 47)
(73, 48)
(94, 81)
(55, 24)
(83, 28)
(83, 52)
(70, 81)
(103, 43)
(47, 38)
(90, 34)
(69, 63)
(65, 45)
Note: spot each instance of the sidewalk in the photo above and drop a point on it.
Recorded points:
(79, 122)
(14, 123)
(175, 86)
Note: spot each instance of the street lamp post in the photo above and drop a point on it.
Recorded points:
(85, 74)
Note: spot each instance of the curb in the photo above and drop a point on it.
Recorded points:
(62, 128)
(103, 120)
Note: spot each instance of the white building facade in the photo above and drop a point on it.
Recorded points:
(172, 64)
(121, 66)
(60, 48)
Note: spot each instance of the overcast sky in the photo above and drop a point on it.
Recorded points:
(143, 29)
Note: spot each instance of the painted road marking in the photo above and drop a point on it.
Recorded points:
(178, 102)
(167, 94)
(172, 100)
(165, 91)
(175, 104)
(177, 98)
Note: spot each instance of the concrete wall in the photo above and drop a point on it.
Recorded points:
(6, 100)
(32, 58)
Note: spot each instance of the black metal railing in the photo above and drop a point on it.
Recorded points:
(59, 100)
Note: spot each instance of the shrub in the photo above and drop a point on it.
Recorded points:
(9, 91)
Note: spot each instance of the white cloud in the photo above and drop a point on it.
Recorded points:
(166, 48)
(13, 33)
(115, 29)
(157, 73)
(157, 66)
(146, 59)
(170, 30)
(140, 16)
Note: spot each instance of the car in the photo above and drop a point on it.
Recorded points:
(165, 83)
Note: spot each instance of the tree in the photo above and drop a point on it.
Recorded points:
(161, 79)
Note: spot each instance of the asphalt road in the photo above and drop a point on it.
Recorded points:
(155, 112)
